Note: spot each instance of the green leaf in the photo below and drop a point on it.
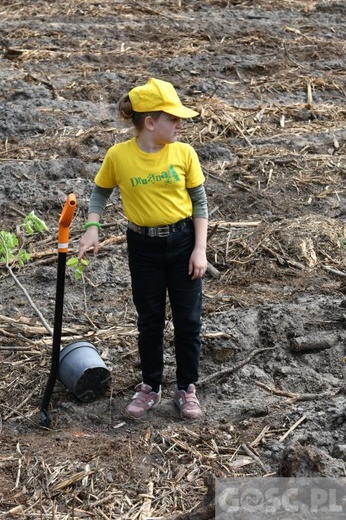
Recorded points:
(77, 266)
(23, 255)
(79, 273)
(72, 262)
(8, 243)
(28, 228)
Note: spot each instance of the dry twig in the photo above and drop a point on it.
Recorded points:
(234, 368)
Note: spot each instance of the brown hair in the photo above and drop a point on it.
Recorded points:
(126, 111)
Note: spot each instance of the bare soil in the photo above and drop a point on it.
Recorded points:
(268, 78)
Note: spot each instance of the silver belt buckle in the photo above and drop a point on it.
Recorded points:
(163, 231)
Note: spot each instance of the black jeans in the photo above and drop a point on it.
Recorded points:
(158, 265)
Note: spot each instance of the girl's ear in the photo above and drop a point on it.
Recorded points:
(149, 123)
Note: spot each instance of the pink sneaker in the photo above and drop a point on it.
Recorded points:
(142, 402)
(188, 403)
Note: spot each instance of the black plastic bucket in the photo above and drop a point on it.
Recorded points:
(82, 371)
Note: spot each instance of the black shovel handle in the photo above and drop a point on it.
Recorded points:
(64, 229)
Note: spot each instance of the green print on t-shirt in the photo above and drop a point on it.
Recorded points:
(167, 177)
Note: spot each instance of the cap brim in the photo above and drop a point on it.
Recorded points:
(183, 112)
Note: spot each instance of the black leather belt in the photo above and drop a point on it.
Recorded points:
(159, 231)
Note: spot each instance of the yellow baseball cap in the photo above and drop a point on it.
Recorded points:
(157, 95)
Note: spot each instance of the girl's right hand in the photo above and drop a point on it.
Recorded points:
(90, 240)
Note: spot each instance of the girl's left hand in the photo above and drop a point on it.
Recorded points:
(197, 263)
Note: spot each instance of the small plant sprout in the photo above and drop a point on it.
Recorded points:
(33, 223)
(77, 266)
(11, 252)
(10, 247)
(8, 243)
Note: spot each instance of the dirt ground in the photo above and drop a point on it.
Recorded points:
(268, 78)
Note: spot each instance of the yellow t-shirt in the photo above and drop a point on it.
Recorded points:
(153, 186)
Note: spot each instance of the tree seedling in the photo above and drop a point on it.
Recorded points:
(11, 252)
(77, 266)
(33, 223)
(10, 248)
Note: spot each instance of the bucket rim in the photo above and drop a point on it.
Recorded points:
(74, 346)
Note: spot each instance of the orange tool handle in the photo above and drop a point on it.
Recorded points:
(65, 221)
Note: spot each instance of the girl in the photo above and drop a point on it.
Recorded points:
(161, 186)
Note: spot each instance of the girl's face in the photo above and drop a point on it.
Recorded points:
(166, 129)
